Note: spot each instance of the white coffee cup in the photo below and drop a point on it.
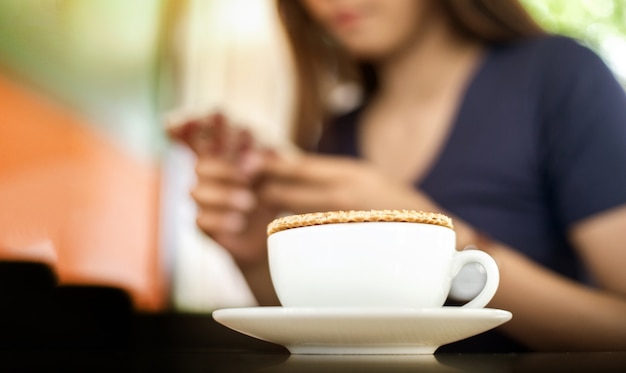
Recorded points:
(372, 264)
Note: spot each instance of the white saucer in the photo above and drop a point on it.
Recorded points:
(361, 330)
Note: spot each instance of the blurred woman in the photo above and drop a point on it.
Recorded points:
(470, 109)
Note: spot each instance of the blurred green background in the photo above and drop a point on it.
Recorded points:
(601, 24)
(110, 58)
(101, 57)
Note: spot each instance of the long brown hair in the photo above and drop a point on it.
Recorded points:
(319, 61)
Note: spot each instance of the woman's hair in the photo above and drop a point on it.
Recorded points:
(320, 62)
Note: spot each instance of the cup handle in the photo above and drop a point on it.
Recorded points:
(491, 268)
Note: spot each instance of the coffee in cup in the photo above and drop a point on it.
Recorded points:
(378, 258)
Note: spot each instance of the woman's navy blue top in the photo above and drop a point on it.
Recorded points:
(538, 143)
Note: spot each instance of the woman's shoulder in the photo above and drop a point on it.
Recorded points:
(553, 44)
(549, 53)
(551, 68)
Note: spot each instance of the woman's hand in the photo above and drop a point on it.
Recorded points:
(322, 183)
(228, 208)
(311, 183)
(227, 170)
(212, 135)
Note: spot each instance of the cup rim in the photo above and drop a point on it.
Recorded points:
(358, 216)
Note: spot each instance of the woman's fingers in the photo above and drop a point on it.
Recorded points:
(222, 185)
(297, 197)
(309, 168)
(316, 183)
(212, 136)
(205, 136)
(221, 222)
(311, 183)
(243, 143)
(223, 196)
(212, 168)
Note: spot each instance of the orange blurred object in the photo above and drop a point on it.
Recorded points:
(71, 198)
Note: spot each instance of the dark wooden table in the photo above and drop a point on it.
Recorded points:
(196, 343)
(45, 327)
(244, 360)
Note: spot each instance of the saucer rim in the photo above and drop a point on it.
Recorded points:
(270, 311)
(234, 317)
